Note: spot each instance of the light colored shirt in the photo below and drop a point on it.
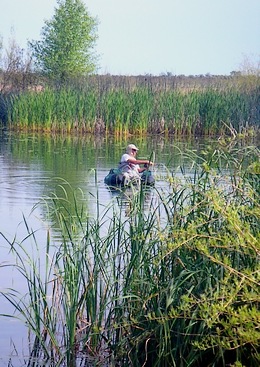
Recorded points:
(126, 166)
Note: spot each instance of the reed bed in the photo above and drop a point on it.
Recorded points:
(143, 109)
(162, 278)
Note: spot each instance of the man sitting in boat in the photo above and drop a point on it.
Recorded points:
(130, 166)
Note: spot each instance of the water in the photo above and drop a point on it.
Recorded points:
(33, 167)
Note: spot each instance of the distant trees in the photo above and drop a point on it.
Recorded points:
(15, 67)
(68, 39)
(250, 65)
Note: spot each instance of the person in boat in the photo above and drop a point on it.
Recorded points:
(130, 166)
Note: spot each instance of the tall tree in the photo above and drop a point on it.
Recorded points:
(67, 42)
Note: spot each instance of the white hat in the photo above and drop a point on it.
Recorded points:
(131, 147)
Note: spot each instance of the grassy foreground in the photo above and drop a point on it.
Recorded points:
(172, 281)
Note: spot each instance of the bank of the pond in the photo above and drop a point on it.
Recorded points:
(145, 108)
(174, 284)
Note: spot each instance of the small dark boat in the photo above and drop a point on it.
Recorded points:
(116, 179)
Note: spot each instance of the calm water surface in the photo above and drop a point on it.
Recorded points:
(33, 167)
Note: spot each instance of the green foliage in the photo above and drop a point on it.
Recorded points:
(95, 108)
(65, 49)
(197, 302)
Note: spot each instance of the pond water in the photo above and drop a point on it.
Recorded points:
(33, 167)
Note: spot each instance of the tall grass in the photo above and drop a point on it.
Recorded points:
(144, 109)
(165, 278)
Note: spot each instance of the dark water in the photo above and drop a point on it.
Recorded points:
(33, 167)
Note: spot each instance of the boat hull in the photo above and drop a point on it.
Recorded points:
(116, 179)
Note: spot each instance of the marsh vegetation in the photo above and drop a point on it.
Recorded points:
(122, 106)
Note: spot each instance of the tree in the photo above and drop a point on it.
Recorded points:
(250, 65)
(16, 68)
(66, 47)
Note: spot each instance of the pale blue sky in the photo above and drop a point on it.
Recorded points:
(188, 37)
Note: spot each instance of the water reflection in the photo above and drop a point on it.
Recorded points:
(37, 168)
(31, 166)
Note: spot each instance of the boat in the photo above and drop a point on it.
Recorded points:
(115, 178)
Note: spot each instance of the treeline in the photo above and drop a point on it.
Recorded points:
(124, 105)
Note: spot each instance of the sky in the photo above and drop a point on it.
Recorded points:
(138, 37)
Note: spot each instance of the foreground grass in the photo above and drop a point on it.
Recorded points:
(169, 281)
